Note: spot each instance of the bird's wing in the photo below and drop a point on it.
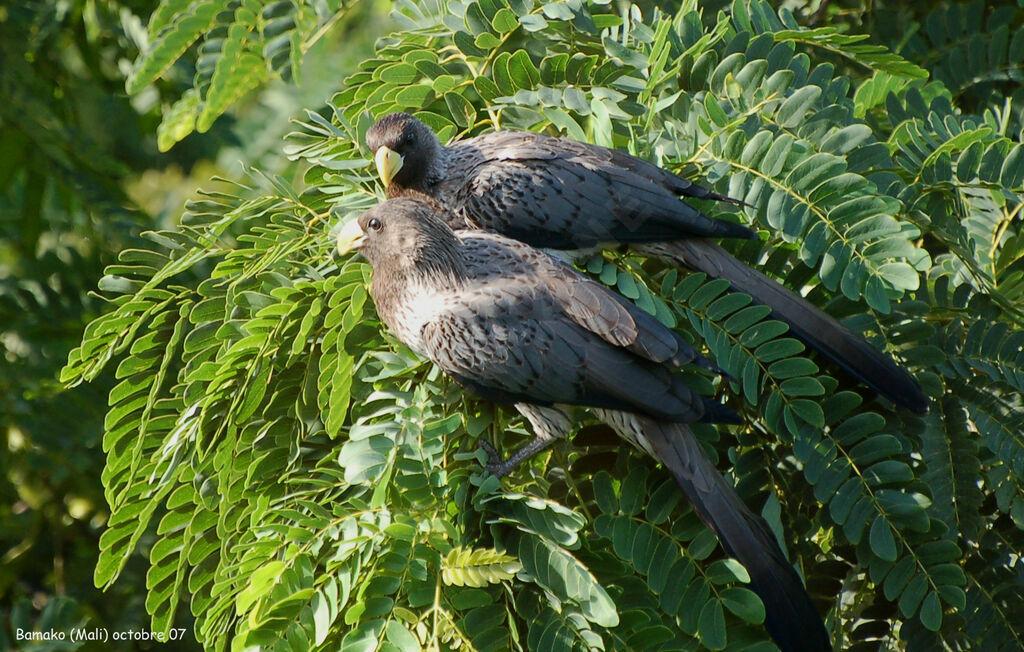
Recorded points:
(508, 341)
(819, 330)
(584, 301)
(561, 194)
(520, 145)
(790, 616)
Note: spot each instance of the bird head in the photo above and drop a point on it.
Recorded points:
(403, 235)
(404, 149)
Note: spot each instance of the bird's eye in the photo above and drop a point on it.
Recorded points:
(410, 137)
(374, 224)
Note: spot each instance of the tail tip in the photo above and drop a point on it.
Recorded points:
(715, 412)
(738, 231)
(916, 403)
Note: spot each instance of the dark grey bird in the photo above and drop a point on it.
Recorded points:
(519, 327)
(557, 193)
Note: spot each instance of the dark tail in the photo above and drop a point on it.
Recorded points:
(816, 329)
(790, 616)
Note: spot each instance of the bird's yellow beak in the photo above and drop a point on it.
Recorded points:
(388, 163)
(350, 237)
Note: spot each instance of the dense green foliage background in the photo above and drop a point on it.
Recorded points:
(281, 473)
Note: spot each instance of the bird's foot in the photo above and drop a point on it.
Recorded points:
(500, 468)
(495, 465)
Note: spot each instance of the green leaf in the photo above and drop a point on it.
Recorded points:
(261, 580)
(604, 493)
(478, 567)
(179, 120)
(521, 70)
(400, 636)
(882, 542)
(504, 21)
(711, 625)
(400, 73)
(533, 22)
(461, 109)
(744, 603)
(363, 638)
(931, 612)
(791, 112)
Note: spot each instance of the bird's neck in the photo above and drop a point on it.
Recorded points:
(408, 298)
(438, 167)
(446, 275)
(438, 266)
(429, 183)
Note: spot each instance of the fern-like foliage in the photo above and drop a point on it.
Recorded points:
(241, 44)
(975, 50)
(303, 480)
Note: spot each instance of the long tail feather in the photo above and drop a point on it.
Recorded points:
(815, 328)
(790, 616)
